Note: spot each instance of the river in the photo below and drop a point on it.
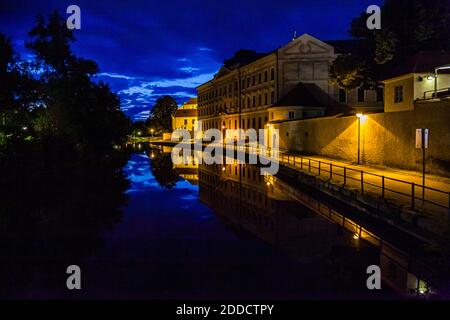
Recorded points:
(194, 231)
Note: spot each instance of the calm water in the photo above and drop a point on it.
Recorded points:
(192, 231)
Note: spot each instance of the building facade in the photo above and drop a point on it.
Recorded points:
(426, 75)
(252, 89)
(186, 116)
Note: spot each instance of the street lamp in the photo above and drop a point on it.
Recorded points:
(360, 117)
(151, 131)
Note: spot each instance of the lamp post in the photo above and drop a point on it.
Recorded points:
(360, 117)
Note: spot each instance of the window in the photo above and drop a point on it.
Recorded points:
(380, 94)
(248, 82)
(259, 78)
(272, 74)
(193, 121)
(361, 92)
(243, 103)
(272, 97)
(265, 76)
(398, 94)
(254, 101)
(259, 123)
(259, 100)
(248, 102)
(243, 84)
(185, 121)
(265, 98)
(271, 115)
(235, 124)
(342, 96)
(291, 114)
(253, 80)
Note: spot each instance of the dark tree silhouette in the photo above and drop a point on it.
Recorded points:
(162, 111)
(407, 27)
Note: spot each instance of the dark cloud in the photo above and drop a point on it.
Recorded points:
(148, 48)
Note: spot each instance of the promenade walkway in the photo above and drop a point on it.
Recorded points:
(403, 187)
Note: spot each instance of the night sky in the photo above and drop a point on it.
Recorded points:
(146, 49)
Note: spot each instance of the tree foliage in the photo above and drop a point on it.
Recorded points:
(56, 94)
(407, 27)
(162, 112)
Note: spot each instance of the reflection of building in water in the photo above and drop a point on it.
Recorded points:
(242, 197)
(265, 207)
(188, 169)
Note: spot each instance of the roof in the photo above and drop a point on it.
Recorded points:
(191, 101)
(421, 62)
(241, 58)
(185, 113)
(306, 95)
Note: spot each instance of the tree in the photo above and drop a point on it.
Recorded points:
(18, 91)
(82, 113)
(162, 112)
(407, 27)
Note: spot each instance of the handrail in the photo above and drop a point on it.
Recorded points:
(362, 180)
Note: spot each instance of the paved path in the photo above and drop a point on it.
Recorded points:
(398, 184)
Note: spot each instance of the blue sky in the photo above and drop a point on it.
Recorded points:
(146, 49)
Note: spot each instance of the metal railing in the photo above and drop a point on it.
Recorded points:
(440, 93)
(413, 195)
(366, 182)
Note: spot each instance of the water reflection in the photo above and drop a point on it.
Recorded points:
(142, 227)
(53, 212)
(307, 229)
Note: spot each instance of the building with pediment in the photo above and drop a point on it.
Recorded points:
(254, 89)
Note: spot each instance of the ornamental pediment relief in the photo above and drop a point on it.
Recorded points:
(307, 45)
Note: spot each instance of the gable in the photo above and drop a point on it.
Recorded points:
(306, 45)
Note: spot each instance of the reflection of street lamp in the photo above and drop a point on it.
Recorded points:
(224, 135)
(151, 131)
(360, 117)
(268, 135)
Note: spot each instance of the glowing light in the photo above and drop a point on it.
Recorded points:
(24, 128)
(223, 127)
(268, 183)
(223, 168)
(139, 133)
(430, 77)
(355, 236)
(152, 155)
(361, 117)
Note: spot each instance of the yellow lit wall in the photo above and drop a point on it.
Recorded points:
(408, 94)
(386, 138)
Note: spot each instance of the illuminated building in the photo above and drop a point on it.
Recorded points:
(252, 89)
